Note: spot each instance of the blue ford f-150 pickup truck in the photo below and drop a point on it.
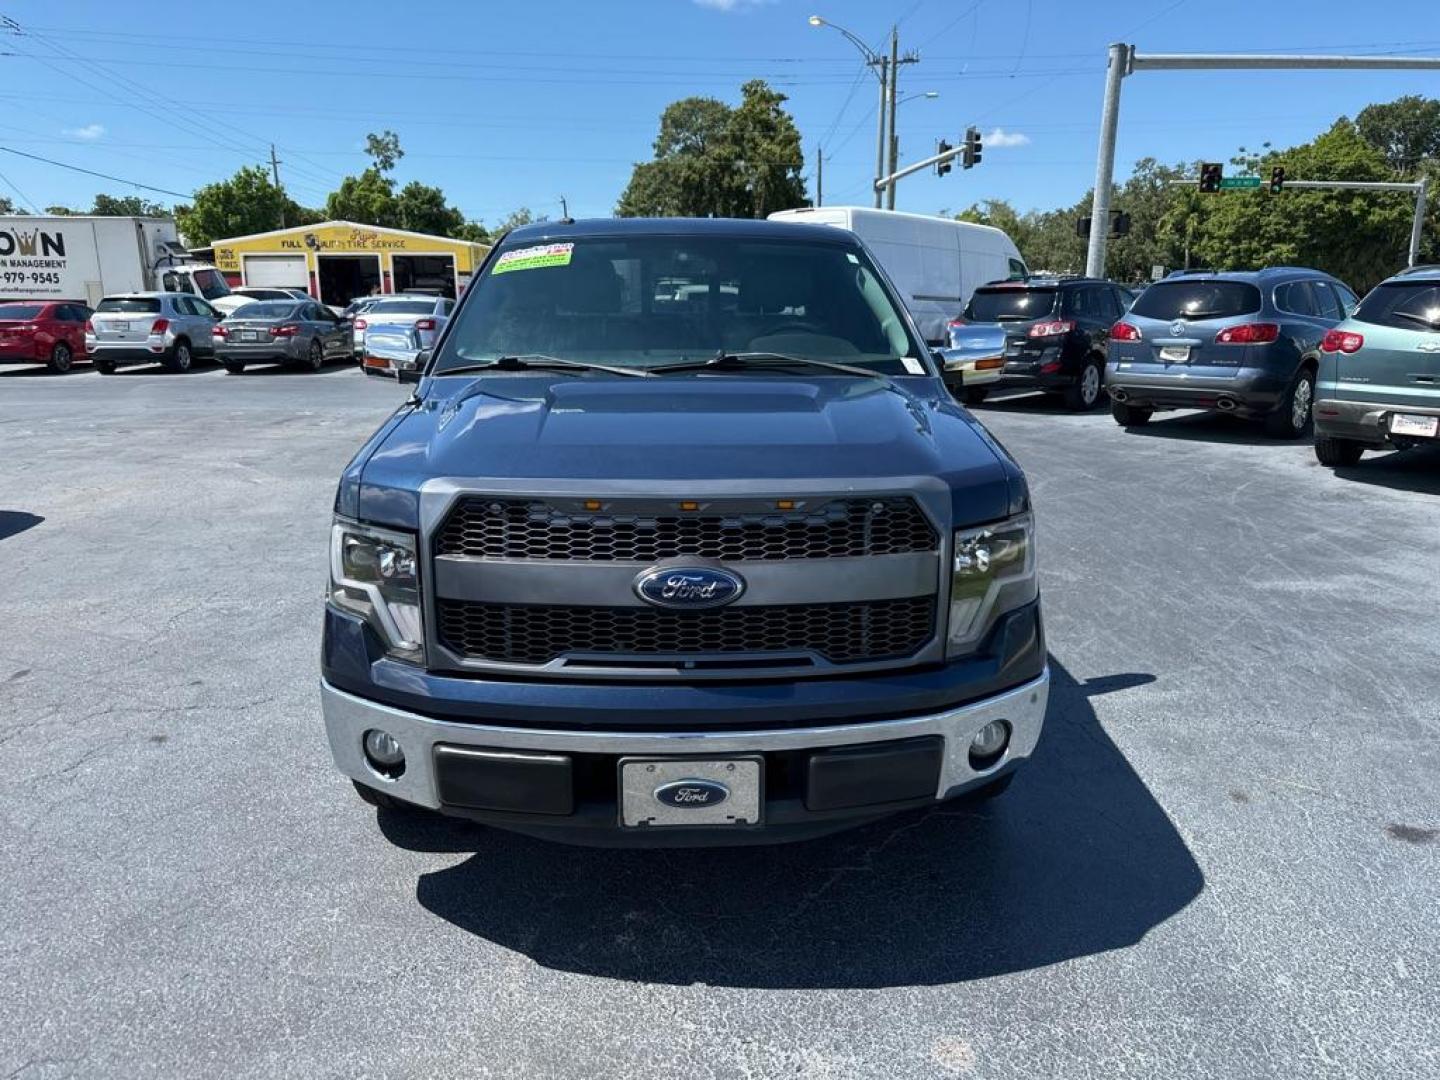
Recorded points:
(681, 540)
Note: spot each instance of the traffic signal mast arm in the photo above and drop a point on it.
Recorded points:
(935, 159)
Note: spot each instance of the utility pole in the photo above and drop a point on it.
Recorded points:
(564, 209)
(894, 94)
(275, 172)
(883, 65)
(819, 176)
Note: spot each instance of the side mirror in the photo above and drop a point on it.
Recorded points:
(410, 371)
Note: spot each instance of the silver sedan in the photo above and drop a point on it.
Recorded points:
(281, 332)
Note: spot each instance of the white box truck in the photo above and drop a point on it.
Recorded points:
(86, 258)
(935, 262)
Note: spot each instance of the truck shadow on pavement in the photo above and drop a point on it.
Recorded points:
(1076, 859)
(14, 522)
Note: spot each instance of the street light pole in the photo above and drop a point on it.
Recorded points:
(894, 94)
(881, 66)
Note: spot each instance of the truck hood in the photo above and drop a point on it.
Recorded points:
(750, 429)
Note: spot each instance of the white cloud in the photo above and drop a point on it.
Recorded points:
(1000, 138)
(90, 132)
(731, 5)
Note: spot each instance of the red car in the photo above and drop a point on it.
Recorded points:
(42, 332)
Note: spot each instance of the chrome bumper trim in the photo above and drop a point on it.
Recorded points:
(348, 717)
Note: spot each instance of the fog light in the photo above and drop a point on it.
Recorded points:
(988, 744)
(383, 752)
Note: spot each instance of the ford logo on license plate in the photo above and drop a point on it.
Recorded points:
(689, 587)
(692, 793)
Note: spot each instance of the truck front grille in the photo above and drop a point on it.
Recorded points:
(490, 528)
(537, 634)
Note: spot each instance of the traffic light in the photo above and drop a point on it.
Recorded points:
(1082, 227)
(1211, 173)
(1277, 179)
(1119, 223)
(971, 155)
(943, 167)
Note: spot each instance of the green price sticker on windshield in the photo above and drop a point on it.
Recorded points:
(533, 258)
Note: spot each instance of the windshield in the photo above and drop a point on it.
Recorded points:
(642, 301)
(148, 305)
(997, 305)
(1197, 300)
(402, 307)
(19, 311)
(1412, 305)
(268, 309)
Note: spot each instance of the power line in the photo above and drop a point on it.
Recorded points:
(24, 199)
(92, 172)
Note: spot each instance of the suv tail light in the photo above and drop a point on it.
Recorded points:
(159, 326)
(89, 326)
(359, 324)
(1254, 333)
(424, 324)
(1342, 341)
(288, 330)
(1123, 331)
(1054, 328)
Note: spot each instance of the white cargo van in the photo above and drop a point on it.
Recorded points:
(935, 263)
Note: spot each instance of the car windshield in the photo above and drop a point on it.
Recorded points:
(1197, 300)
(402, 307)
(1007, 304)
(1413, 305)
(643, 301)
(20, 311)
(268, 309)
(145, 305)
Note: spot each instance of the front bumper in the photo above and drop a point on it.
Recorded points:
(1365, 422)
(593, 753)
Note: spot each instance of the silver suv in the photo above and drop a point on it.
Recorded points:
(150, 328)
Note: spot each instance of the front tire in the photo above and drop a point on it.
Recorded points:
(180, 357)
(62, 359)
(1130, 415)
(975, 395)
(1084, 393)
(1337, 453)
(1292, 417)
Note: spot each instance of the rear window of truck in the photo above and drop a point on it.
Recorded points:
(1197, 300)
(1409, 305)
(1004, 305)
(147, 305)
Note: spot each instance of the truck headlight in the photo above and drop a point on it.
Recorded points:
(375, 574)
(993, 572)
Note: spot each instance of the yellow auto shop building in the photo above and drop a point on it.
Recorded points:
(338, 261)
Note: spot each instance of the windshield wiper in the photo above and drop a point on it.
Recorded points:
(740, 361)
(1433, 324)
(539, 361)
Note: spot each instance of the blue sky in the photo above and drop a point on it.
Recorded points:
(506, 105)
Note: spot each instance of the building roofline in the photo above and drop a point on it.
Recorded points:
(341, 224)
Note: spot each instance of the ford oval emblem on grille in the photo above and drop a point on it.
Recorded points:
(685, 794)
(689, 587)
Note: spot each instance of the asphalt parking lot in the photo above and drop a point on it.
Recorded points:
(1223, 861)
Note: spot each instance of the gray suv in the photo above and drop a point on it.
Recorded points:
(1242, 342)
(150, 328)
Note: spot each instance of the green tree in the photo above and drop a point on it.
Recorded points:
(384, 149)
(246, 203)
(421, 208)
(127, 206)
(475, 232)
(61, 211)
(367, 199)
(6, 205)
(712, 160)
(1406, 131)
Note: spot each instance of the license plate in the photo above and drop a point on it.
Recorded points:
(121, 326)
(1405, 424)
(248, 335)
(656, 792)
(1175, 354)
